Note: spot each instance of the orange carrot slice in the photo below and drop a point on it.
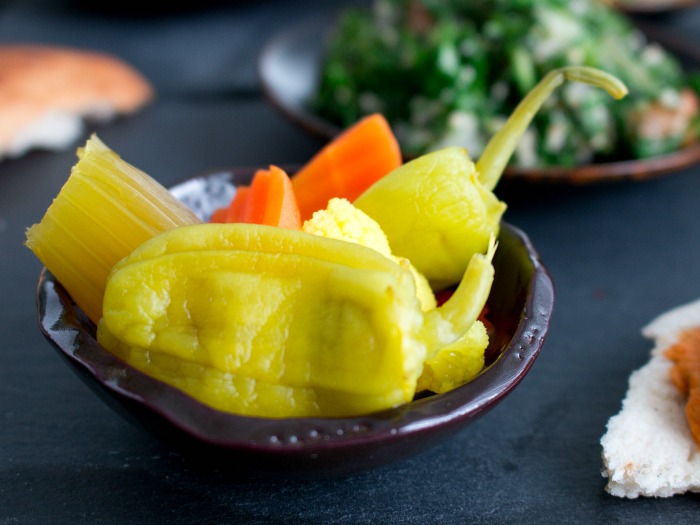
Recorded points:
(348, 165)
(272, 201)
(219, 215)
(254, 208)
(233, 212)
(268, 200)
(237, 208)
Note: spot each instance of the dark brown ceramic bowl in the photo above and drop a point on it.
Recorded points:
(288, 70)
(520, 306)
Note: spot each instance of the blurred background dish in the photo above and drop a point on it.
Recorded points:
(652, 6)
(460, 90)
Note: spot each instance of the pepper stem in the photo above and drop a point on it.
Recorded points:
(451, 321)
(500, 148)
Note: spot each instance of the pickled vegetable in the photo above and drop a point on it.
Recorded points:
(456, 363)
(106, 208)
(269, 199)
(451, 366)
(342, 220)
(347, 165)
(439, 209)
(267, 321)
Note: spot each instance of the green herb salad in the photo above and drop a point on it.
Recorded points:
(448, 72)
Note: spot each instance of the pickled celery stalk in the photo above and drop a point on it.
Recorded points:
(439, 209)
(266, 321)
(106, 209)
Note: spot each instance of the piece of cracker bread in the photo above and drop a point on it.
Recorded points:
(647, 448)
(47, 93)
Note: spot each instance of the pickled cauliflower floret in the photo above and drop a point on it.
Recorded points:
(341, 220)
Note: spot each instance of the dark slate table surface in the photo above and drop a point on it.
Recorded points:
(619, 255)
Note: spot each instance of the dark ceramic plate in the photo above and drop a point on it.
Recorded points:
(652, 7)
(520, 306)
(288, 69)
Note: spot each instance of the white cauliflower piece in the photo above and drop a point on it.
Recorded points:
(341, 220)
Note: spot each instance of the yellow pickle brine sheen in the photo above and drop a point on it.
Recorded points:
(266, 321)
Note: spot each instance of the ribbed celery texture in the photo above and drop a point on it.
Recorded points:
(106, 209)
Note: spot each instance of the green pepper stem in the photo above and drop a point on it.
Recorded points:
(500, 148)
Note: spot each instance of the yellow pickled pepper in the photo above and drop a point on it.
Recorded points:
(439, 209)
(271, 322)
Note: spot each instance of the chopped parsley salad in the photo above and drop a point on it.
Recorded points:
(448, 72)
